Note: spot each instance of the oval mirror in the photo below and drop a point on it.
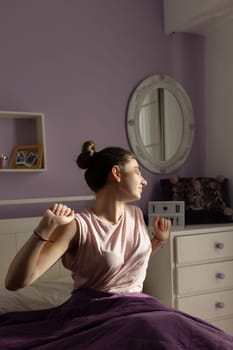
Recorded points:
(160, 124)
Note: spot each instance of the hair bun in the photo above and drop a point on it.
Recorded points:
(88, 150)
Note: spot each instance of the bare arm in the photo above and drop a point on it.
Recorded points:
(161, 231)
(56, 229)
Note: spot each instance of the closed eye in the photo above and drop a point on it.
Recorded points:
(138, 171)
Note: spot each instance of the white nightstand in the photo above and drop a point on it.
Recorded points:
(194, 273)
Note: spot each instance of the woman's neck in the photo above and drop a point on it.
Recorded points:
(108, 208)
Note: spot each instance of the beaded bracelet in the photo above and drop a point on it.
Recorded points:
(160, 244)
(40, 238)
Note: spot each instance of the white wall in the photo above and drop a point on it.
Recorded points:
(214, 20)
(219, 101)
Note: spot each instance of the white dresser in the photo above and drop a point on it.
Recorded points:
(194, 273)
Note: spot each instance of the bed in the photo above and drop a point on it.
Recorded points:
(89, 320)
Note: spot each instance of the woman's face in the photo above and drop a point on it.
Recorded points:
(131, 181)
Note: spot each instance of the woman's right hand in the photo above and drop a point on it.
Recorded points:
(57, 215)
(60, 214)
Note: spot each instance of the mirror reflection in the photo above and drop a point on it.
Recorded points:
(160, 124)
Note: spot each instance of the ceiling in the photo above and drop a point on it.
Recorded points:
(196, 16)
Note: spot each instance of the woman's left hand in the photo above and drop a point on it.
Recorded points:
(161, 228)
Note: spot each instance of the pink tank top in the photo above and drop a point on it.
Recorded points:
(112, 257)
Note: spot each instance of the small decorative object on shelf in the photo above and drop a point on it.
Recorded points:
(172, 210)
(28, 156)
(3, 161)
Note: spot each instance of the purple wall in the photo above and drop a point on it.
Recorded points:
(78, 62)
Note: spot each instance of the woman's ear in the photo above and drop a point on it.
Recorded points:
(116, 172)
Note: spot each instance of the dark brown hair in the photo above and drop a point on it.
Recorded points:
(99, 164)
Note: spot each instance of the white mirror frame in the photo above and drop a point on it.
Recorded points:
(135, 103)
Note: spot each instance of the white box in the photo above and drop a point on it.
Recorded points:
(172, 210)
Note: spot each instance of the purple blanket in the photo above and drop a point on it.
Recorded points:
(92, 320)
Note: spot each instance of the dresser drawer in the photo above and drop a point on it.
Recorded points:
(203, 278)
(226, 325)
(203, 247)
(208, 306)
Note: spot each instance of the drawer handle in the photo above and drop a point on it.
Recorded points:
(219, 245)
(219, 305)
(220, 275)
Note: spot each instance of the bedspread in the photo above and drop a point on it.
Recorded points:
(92, 320)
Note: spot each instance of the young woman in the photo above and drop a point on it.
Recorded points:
(106, 248)
(111, 235)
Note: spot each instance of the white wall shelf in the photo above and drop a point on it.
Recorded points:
(20, 129)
